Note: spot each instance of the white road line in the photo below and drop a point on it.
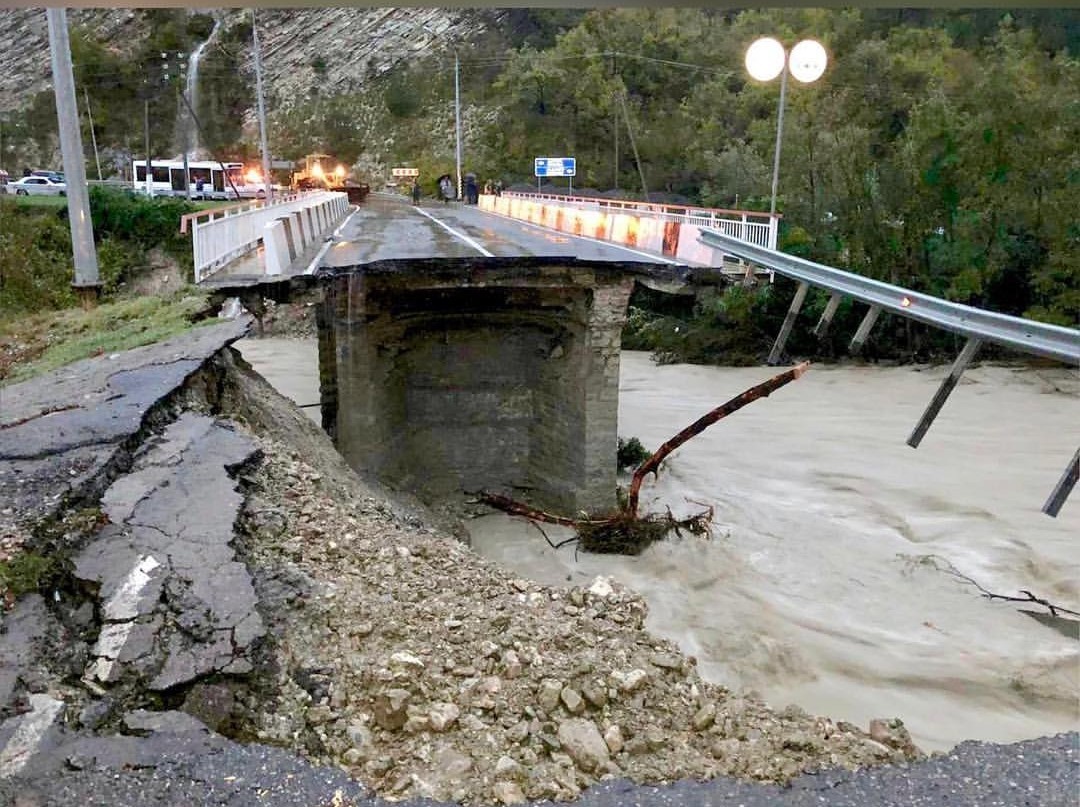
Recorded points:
(124, 602)
(457, 234)
(122, 605)
(29, 734)
(545, 228)
(329, 243)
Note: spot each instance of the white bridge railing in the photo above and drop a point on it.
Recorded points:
(221, 235)
(748, 225)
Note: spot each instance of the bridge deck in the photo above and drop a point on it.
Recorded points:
(388, 228)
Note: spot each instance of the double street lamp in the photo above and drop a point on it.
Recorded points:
(765, 60)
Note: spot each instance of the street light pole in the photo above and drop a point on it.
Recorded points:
(779, 137)
(766, 59)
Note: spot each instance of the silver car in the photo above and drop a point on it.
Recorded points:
(37, 186)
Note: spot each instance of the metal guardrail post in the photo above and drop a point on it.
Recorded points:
(863, 332)
(971, 347)
(1064, 487)
(827, 315)
(789, 321)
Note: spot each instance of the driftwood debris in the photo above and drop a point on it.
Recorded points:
(762, 390)
(1027, 596)
(625, 531)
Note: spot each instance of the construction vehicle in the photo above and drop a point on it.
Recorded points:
(316, 173)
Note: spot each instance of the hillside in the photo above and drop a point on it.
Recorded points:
(350, 41)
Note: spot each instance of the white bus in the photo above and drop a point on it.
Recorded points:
(167, 179)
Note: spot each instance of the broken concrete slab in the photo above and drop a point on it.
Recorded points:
(63, 429)
(23, 736)
(175, 601)
(29, 633)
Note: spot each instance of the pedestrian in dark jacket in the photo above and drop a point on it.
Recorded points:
(416, 191)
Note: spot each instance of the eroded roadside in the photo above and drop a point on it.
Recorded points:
(239, 582)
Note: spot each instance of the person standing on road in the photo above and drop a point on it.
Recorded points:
(446, 188)
(416, 191)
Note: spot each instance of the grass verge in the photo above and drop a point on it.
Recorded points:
(38, 343)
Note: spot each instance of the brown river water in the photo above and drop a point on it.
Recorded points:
(819, 585)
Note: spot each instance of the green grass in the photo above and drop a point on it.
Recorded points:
(38, 201)
(43, 342)
(61, 201)
(23, 573)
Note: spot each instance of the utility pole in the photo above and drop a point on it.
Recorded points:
(457, 118)
(86, 281)
(146, 128)
(262, 110)
(615, 128)
(633, 145)
(185, 144)
(93, 137)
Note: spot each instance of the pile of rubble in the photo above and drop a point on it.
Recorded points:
(424, 670)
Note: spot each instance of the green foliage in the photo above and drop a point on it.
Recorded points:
(35, 258)
(23, 573)
(401, 95)
(35, 245)
(73, 334)
(724, 327)
(225, 93)
(199, 26)
(631, 453)
(144, 222)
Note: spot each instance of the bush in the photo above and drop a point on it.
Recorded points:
(631, 453)
(35, 259)
(137, 220)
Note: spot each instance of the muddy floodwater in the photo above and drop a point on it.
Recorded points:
(825, 580)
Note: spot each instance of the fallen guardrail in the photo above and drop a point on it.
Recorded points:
(976, 324)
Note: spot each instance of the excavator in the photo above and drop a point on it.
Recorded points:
(316, 174)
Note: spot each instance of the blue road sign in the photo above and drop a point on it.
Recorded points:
(555, 166)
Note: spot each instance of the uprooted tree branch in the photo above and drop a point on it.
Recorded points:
(1026, 596)
(625, 531)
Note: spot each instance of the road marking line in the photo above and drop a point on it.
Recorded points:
(545, 228)
(457, 234)
(122, 605)
(29, 734)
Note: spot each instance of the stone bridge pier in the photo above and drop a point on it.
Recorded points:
(500, 374)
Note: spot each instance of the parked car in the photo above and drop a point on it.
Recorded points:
(37, 186)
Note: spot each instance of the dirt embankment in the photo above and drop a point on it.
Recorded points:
(425, 670)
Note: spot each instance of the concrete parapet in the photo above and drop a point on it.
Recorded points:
(277, 248)
(303, 235)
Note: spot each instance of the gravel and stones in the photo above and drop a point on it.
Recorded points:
(446, 677)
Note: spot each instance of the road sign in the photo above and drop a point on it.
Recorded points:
(555, 166)
(405, 172)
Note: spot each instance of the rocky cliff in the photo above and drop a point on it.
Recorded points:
(348, 43)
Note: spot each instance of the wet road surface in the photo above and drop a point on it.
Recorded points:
(388, 228)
